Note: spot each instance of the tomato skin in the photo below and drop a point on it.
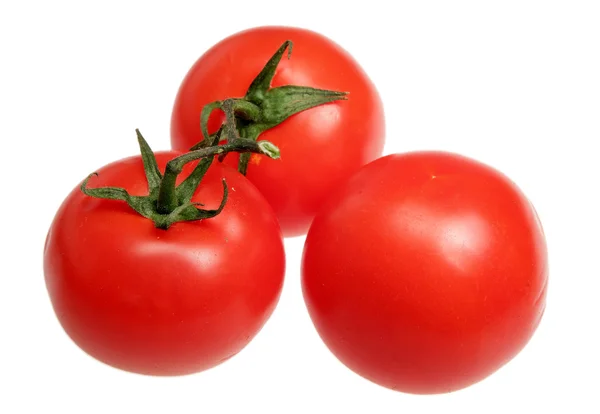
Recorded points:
(164, 302)
(320, 147)
(426, 272)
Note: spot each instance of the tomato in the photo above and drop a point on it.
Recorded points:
(320, 147)
(164, 302)
(426, 272)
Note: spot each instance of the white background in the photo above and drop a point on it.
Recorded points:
(515, 84)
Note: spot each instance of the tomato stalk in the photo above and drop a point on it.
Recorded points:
(263, 107)
(168, 203)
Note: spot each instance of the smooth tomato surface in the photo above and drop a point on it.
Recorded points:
(320, 147)
(164, 302)
(426, 272)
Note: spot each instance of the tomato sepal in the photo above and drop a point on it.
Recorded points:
(263, 107)
(166, 202)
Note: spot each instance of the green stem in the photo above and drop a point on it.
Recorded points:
(167, 196)
(246, 110)
(166, 202)
(245, 158)
(264, 107)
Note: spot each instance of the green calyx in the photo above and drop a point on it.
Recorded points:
(263, 107)
(168, 203)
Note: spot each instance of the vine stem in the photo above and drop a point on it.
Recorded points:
(264, 107)
(167, 196)
(168, 203)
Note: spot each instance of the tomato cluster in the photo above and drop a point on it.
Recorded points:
(424, 272)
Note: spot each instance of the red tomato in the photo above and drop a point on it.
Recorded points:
(426, 272)
(164, 302)
(320, 147)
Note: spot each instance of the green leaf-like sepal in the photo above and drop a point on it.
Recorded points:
(263, 107)
(167, 203)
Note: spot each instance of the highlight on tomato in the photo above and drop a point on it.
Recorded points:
(426, 272)
(318, 106)
(163, 265)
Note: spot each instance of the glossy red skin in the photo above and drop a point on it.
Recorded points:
(426, 272)
(164, 302)
(320, 147)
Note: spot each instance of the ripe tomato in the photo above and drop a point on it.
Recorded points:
(426, 272)
(164, 302)
(320, 147)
